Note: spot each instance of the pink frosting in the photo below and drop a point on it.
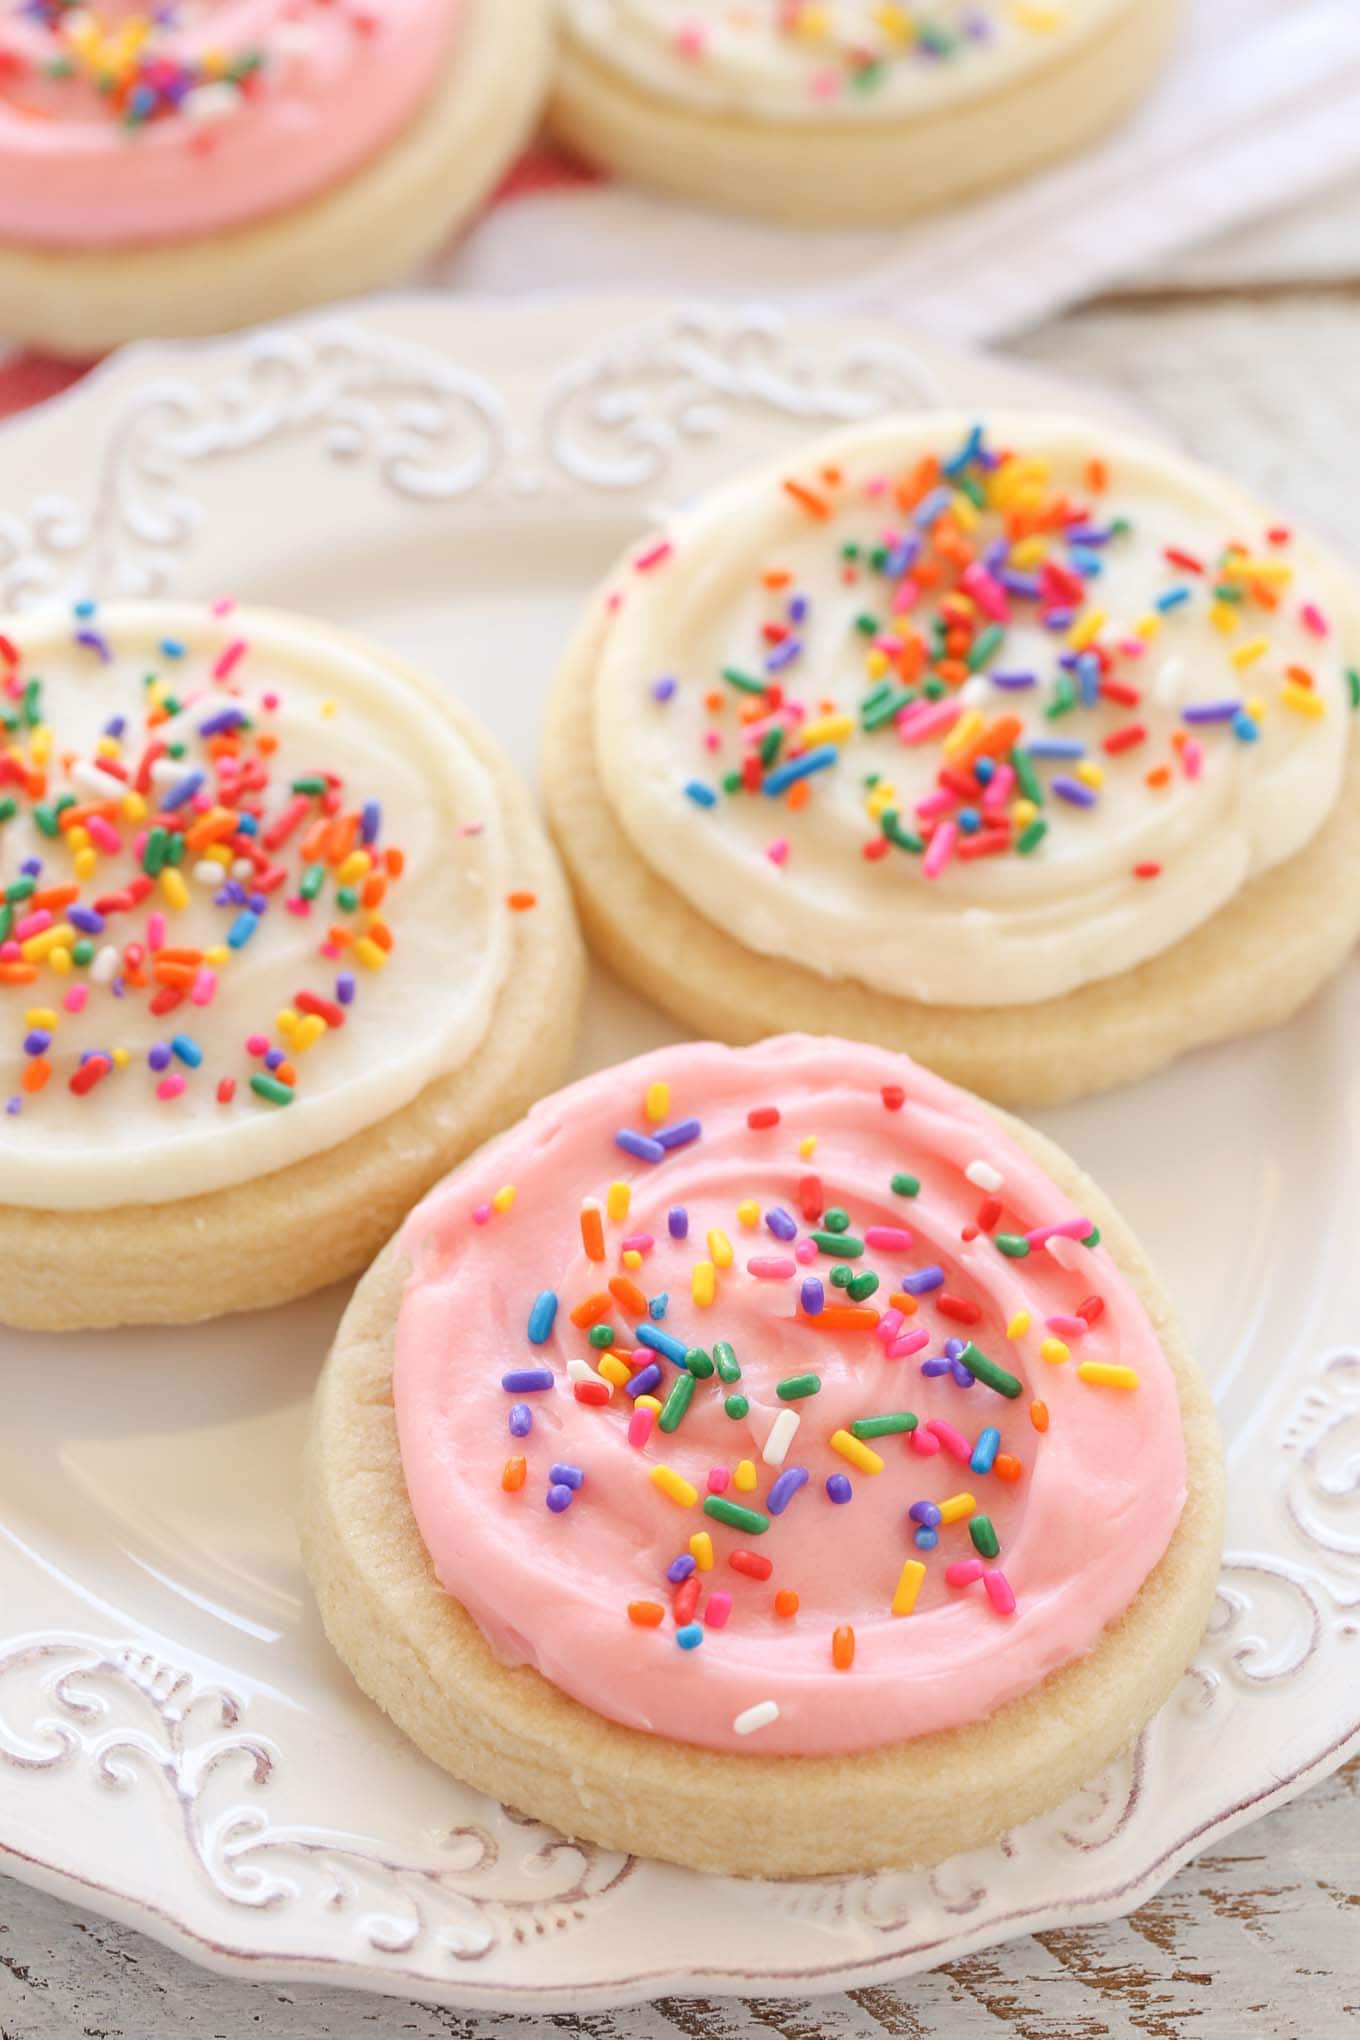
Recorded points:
(338, 80)
(1099, 1492)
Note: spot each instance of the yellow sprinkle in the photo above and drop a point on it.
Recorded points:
(826, 729)
(1055, 1351)
(703, 1284)
(1028, 553)
(503, 1198)
(218, 954)
(39, 946)
(285, 1020)
(77, 839)
(1256, 708)
(880, 800)
(309, 1031)
(1223, 617)
(59, 960)
(1018, 1325)
(674, 1485)
(1240, 567)
(876, 664)
(1089, 773)
(1247, 654)
(720, 1247)
(658, 1102)
(614, 1370)
(86, 863)
(956, 1508)
(807, 1147)
(122, 1057)
(1149, 626)
(964, 513)
(1103, 1376)
(617, 1199)
(701, 1550)
(1303, 699)
(134, 807)
(1023, 813)
(108, 747)
(217, 853)
(748, 1212)
(370, 954)
(1027, 14)
(745, 1476)
(647, 1402)
(40, 745)
(965, 729)
(328, 708)
(631, 1258)
(42, 1016)
(175, 890)
(356, 866)
(1086, 629)
(856, 1451)
(908, 1586)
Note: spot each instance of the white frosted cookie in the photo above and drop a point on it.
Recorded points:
(1020, 746)
(847, 110)
(803, 1473)
(280, 941)
(184, 170)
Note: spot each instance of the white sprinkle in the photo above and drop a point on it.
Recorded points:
(1067, 1253)
(581, 1370)
(783, 1431)
(985, 1176)
(1168, 689)
(975, 692)
(206, 872)
(242, 868)
(210, 102)
(759, 1716)
(105, 966)
(167, 771)
(91, 777)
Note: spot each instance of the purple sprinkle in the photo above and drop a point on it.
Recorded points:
(932, 1369)
(638, 1144)
(798, 609)
(785, 1488)
(926, 1540)
(559, 1498)
(182, 790)
(781, 1224)
(838, 1488)
(14, 1106)
(677, 1222)
(644, 1382)
(1211, 711)
(784, 655)
(927, 1513)
(564, 1474)
(680, 1568)
(679, 1135)
(225, 719)
(31, 867)
(1014, 679)
(924, 1280)
(38, 1042)
(665, 687)
(1073, 790)
(521, 1420)
(86, 919)
(812, 1296)
(344, 987)
(961, 1374)
(158, 1056)
(370, 821)
(274, 1058)
(953, 1348)
(95, 641)
(527, 1380)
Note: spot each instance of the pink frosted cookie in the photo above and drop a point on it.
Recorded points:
(742, 1407)
(193, 166)
(856, 110)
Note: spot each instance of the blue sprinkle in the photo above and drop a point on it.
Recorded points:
(1056, 747)
(187, 1050)
(785, 1488)
(1172, 599)
(1088, 669)
(984, 770)
(680, 1568)
(657, 1306)
(969, 820)
(527, 1380)
(815, 760)
(565, 1475)
(638, 1144)
(247, 825)
(926, 1540)
(172, 648)
(985, 1451)
(182, 790)
(701, 795)
(838, 1488)
(521, 1420)
(674, 1350)
(241, 929)
(1245, 729)
(541, 1315)
(690, 1637)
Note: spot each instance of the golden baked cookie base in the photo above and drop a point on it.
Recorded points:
(284, 1235)
(872, 170)
(374, 227)
(416, 1651)
(1252, 965)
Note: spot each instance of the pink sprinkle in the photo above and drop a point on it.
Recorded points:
(999, 1592)
(640, 1427)
(772, 1267)
(953, 1441)
(925, 719)
(614, 602)
(778, 851)
(224, 605)
(232, 656)
(804, 1252)
(826, 85)
(718, 1478)
(712, 740)
(998, 789)
(941, 849)
(103, 833)
(653, 556)
(1070, 1327)
(987, 592)
(270, 700)
(257, 1044)
(906, 598)
(32, 924)
(9, 952)
(1065, 1229)
(893, 1239)
(155, 931)
(964, 1571)
(940, 803)
(638, 1243)
(889, 1325)
(1314, 620)
(75, 999)
(170, 1087)
(481, 1214)
(690, 39)
(297, 906)
(204, 988)
(1192, 758)
(924, 1442)
(717, 1610)
(903, 1348)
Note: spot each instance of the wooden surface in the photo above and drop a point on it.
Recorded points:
(1261, 1936)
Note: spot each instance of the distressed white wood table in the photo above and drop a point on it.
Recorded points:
(1260, 1937)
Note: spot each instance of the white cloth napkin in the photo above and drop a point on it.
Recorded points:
(1259, 110)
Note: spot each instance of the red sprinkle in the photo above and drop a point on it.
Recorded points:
(595, 1393)
(751, 1563)
(763, 1116)
(960, 1307)
(894, 1097)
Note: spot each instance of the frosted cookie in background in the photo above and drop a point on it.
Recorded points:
(1019, 745)
(802, 1473)
(208, 164)
(281, 939)
(823, 111)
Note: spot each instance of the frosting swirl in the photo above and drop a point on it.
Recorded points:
(777, 1399)
(120, 125)
(973, 717)
(253, 897)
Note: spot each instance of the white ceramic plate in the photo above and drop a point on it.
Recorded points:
(177, 1745)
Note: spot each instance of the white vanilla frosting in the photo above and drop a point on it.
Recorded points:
(839, 60)
(413, 974)
(1177, 814)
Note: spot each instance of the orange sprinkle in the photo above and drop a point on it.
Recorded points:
(592, 1230)
(843, 1647)
(1097, 476)
(520, 902)
(286, 1074)
(1038, 1415)
(629, 1295)
(1159, 775)
(266, 743)
(900, 1300)
(55, 896)
(798, 794)
(1006, 1467)
(591, 1310)
(776, 577)
(646, 1614)
(395, 860)
(841, 1317)
(786, 1602)
(18, 973)
(379, 932)
(512, 1475)
(374, 892)
(36, 1073)
(808, 499)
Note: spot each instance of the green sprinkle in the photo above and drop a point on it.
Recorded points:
(1026, 776)
(1064, 698)
(82, 952)
(601, 1335)
(735, 1517)
(698, 1363)
(271, 1088)
(1031, 837)
(1226, 592)
(737, 1407)
(884, 1427)
(972, 489)
(6, 921)
(313, 785)
(985, 646)
(677, 1402)
(983, 1534)
(1352, 681)
(860, 1286)
(347, 899)
(905, 839)
(746, 682)
(1092, 1238)
(311, 882)
(8, 810)
(836, 1220)
(1013, 1245)
(989, 1373)
(725, 1360)
(153, 857)
(933, 689)
(866, 625)
(797, 1386)
(769, 745)
(906, 1186)
(32, 703)
(732, 782)
(838, 1243)
(841, 1276)
(22, 889)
